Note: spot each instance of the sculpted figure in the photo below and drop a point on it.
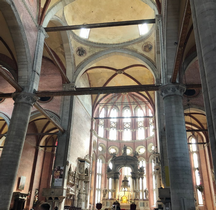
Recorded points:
(104, 193)
(125, 150)
(146, 193)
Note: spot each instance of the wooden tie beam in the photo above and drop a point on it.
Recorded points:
(14, 84)
(99, 90)
(99, 25)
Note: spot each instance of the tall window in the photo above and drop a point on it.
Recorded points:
(98, 181)
(195, 157)
(154, 182)
(126, 124)
(151, 124)
(110, 180)
(101, 123)
(110, 188)
(140, 125)
(113, 124)
(143, 186)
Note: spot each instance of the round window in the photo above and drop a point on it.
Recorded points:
(151, 147)
(100, 148)
(45, 99)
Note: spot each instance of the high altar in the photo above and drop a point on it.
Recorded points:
(124, 193)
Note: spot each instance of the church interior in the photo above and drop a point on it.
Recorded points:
(105, 102)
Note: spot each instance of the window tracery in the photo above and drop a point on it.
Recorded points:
(140, 125)
(154, 182)
(113, 124)
(143, 185)
(126, 124)
(101, 123)
(98, 180)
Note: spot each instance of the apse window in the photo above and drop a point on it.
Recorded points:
(101, 124)
(113, 124)
(100, 148)
(126, 136)
(141, 150)
(143, 29)
(84, 33)
(98, 181)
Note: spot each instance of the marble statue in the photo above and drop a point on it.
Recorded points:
(146, 193)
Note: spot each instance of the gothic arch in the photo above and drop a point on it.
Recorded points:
(5, 117)
(36, 114)
(17, 31)
(123, 161)
(102, 54)
(69, 58)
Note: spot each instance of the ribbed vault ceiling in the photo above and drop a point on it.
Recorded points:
(119, 70)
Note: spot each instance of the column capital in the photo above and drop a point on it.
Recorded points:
(158, 19)
(25, 97)
(172, 89)
(42, 30)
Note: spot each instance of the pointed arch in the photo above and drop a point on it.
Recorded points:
(102, 54)
(24, 60)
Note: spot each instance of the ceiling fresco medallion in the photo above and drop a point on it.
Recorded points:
(81, 51)
(147, 46)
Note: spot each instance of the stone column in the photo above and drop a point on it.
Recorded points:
(117, 188)
(87, 192)
(107, 183)
(81, 195)
(204, 15)
(138, 188)
(182, 195)
(134, 187)
(13, 146)
(112, 188)
(142, 188)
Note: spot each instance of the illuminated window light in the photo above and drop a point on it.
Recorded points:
(143, 29)
(84, 33)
